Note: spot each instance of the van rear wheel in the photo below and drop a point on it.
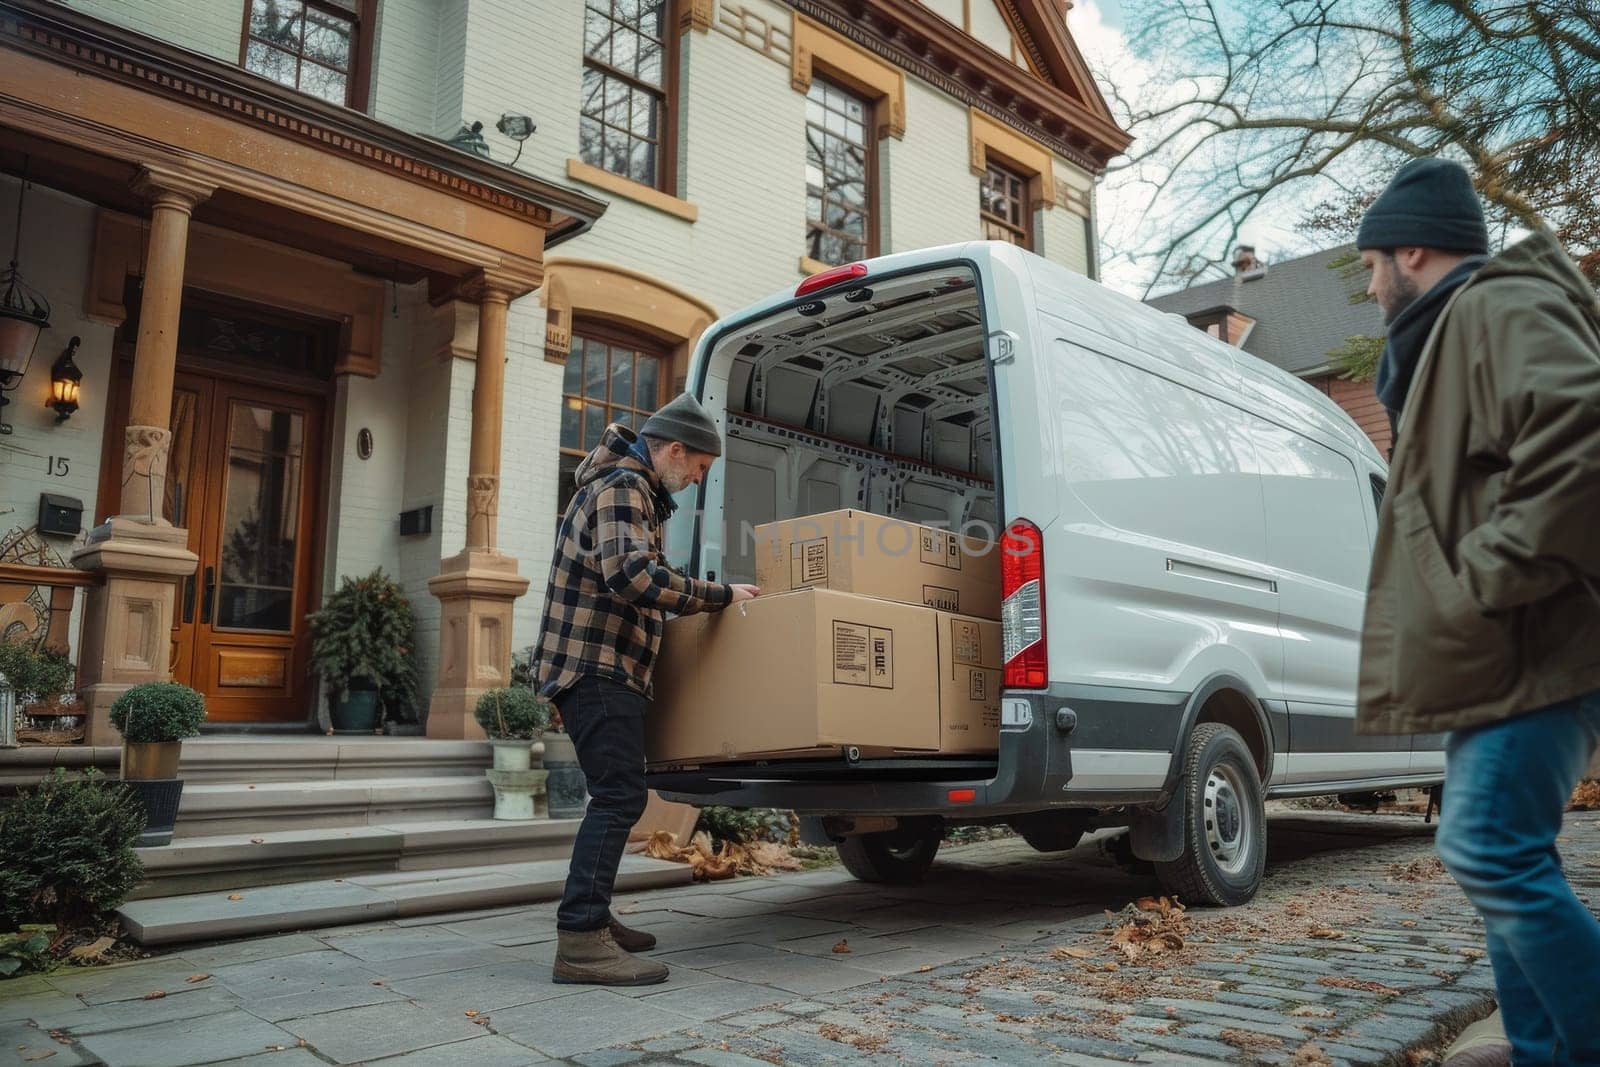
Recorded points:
(1225, 832)
(901, 855)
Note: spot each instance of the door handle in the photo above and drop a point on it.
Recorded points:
(210, 596)
(188, 599)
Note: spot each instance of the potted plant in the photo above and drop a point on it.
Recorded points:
(566, 787)
(362, 647)
(153, 720)
(514, 719)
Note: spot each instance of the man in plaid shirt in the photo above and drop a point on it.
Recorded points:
(611, 589)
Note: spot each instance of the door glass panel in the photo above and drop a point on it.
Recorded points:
(261, 518)
(177, 502)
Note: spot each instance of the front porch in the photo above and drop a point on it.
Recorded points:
(245, 258)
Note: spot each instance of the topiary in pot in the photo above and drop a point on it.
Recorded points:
(153, 719)
(363, 645)
(514, 718)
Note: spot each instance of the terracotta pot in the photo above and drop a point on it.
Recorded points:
(150, 760)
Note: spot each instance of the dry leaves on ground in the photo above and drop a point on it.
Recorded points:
(1150, 926)
(1341, 982)
(854, 1038)
(1586, 797)
(762, 857)
(93, 952)
(1310, 1054)
(1069, 952)
(1423, 870)
(193, 978)
(842, 947)
(1250, 1041)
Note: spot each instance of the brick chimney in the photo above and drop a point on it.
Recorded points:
(1244, 259)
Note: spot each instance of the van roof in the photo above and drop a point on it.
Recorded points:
(1092, 306)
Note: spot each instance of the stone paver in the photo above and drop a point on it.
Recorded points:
(1342, 948)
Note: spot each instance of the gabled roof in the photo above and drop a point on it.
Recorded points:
(1040, 26)
(1301, 308)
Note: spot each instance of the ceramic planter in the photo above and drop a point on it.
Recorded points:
(150, 760)
(518, 786)
(357, 713)
(567, 786)
(150, 769)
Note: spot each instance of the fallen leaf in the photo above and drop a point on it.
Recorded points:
(1310, 1055)
(37, 1054)
(276, 1048)
(1326, 933)
(469, 1013)
(842, 947)
(193, 978)
(1408, 922)
(1064, 952)
(377, 981)
(92, 952)
(258, 840)
(925, 968)
(1472, 953)
(235, 896)
(155, 994)
(1306, 1011)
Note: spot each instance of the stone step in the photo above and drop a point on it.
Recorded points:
(369, 898)
(232, 861)
(254, 760)
(211, 809)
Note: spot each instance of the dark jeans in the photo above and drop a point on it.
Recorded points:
(1506, 786)
(606, 722)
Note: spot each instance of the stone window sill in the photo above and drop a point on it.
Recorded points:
(632, 190)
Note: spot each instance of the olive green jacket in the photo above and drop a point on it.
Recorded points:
(1484, 596)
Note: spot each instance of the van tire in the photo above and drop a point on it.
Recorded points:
(1225, 839)
(898, 856)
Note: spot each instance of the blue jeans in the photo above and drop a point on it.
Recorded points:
(606, 722)
(1506, 787)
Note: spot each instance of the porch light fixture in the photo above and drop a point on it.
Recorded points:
(24, 315)
(65, 378)
(516, 127)
(470, 139)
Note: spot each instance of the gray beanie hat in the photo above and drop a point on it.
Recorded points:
(1429, 203)
(683, 419)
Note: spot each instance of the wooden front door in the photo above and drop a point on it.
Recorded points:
(244, 478)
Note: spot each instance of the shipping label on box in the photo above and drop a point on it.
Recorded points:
(970, 675)
(863, 655)
(857, 552)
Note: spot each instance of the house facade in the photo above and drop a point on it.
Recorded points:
(1295, 314)
(355, 283)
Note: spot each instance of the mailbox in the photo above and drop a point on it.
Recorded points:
(61, 515)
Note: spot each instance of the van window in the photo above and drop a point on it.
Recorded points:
(1315, 525)
(1144, 453)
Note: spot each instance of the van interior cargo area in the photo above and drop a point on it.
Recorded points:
(876, 398)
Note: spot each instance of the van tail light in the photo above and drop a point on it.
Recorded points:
(1022, 611)
(829, 278)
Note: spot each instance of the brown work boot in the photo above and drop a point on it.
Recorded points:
(631, 940)
(592, 957)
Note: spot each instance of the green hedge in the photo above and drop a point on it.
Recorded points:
(66, 850)
(44, 672)
(158, 711)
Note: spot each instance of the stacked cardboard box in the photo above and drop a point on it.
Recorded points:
(857, 641)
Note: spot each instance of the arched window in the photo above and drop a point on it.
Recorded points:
(611, 376)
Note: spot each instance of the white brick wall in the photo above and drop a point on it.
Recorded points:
(211, 27)
(405, 82)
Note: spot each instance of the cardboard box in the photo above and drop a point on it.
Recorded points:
(857, 552)
(800, 674)
(970, 676)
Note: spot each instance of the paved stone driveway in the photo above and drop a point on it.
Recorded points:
(1358, 945)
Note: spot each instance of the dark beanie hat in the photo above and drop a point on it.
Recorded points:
(1429, 203)
(683, 419)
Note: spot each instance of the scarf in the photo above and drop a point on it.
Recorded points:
(665, 504)
(1408, 333)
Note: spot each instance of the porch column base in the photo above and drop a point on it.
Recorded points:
(127, 623)
(476, 591)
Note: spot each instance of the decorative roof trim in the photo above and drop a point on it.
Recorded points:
(75, 40)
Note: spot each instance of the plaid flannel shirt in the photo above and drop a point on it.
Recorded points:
(611, 587)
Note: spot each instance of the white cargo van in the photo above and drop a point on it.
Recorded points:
(1187, 535)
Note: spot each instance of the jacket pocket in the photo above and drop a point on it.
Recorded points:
(1448, 654)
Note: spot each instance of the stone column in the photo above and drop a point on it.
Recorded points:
(477, 588)
(127, 628)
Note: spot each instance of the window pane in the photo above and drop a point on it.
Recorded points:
(261, 517)
(328, 39)
(590, 142)
(652, 18)
(595, 28)
(572, 373)
(642, 162)
(595, 372)
(594, 426)
(616, 103)
(644, 114)
(571, 422)
(277, 21)
(270, 63)
(647, 389)
(322, 82)
(650, 62)
(625, 51)
(622, 378)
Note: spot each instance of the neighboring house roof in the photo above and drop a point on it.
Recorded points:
(1301, 308)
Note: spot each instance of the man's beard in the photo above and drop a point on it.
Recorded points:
(1402, 295)
(674, 482)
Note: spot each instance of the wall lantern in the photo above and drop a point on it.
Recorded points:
(24, 315)
(65, 377)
